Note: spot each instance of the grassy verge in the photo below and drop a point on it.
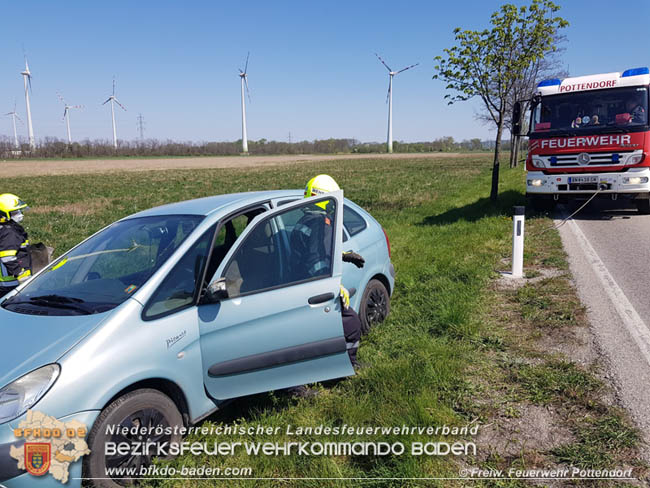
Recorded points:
(459, 348)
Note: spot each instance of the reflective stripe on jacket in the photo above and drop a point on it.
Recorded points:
(15, 258)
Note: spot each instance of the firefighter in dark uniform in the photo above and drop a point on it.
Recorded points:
(15, 259)
(311, 240)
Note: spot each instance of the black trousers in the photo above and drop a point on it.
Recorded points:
(352, 332)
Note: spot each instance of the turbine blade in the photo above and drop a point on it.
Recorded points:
(247, 90)
(21, 120)
(388, 92)
(60, 97)
(246, 66)
(113, 85)
(382, 62)
(408, 67)
(65, 112)
(122, 106)
(29, 79)
(107, 100)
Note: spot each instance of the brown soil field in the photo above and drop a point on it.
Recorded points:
(85, 166)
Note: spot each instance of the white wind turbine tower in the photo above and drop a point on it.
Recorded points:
(14, 116)
(27, 78)
(243, 75)
(113, 101)
(66, 114)
(389, 99)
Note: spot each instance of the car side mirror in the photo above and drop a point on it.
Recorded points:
(516, 119)
(215, 291)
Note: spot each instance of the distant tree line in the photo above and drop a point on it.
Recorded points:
(57, 148)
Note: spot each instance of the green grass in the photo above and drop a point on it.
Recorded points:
(447, 242)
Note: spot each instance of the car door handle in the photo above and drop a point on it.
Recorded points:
(325, 297)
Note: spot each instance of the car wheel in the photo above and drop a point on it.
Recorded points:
(140, 408)
(375, 305)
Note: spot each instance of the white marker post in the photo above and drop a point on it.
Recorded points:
(518, 242)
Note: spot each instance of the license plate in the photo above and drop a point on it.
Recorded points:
(583, 179)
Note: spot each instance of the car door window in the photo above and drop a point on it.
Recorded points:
(228, 234)
(177, 291)
(291, 247)
(352, 221)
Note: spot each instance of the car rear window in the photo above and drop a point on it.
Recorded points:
(352, 221)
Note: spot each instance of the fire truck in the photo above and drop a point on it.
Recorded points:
(589, 135)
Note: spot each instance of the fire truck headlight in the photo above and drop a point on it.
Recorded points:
(535, 182)
(635, 180)
(538, 163)
(635, 158)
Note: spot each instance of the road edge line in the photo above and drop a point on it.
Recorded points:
(634, 324)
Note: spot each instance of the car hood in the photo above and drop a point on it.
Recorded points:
(32, 341)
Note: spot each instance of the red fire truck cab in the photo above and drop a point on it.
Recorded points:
(590, 134)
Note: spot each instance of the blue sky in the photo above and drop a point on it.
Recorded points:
(312, 71)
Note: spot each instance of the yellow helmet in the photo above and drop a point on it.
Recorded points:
(319, 185)
(10, 203)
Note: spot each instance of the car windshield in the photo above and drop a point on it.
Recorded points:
(105, 270)
(595, 111)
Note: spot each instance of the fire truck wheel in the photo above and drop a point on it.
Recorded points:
(643, 206)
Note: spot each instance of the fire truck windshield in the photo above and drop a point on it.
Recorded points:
(591, 111)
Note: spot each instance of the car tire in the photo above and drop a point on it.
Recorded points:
(643, 206)
(375, 305)
(144, 408)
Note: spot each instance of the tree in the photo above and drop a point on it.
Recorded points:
(523, 90)
(489, 63)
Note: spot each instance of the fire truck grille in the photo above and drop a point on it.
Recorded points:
(594, 159)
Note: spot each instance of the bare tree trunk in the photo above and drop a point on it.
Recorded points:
(517, 147)
(494, 193)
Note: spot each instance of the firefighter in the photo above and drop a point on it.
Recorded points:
(15, 259)
(311, 240)
(636, 111)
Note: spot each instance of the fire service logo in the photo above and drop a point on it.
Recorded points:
(37, 458)
(51, 446)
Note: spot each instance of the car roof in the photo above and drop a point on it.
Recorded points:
(208, 205)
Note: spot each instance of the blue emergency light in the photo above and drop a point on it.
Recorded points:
(635, 72)
(550, 82)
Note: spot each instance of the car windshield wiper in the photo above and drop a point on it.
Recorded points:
(54, 301)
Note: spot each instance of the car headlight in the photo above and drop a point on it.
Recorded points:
(17, 397)
(535, 182)
(635, 180)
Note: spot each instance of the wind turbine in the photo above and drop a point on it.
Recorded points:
(27, 78)
(14, 116)
(243, 75)
(389, 99)
(113, 101)
(66, 114)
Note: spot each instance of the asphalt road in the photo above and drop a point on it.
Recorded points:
(608, 244)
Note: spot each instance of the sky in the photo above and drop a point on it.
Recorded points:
(312, 70)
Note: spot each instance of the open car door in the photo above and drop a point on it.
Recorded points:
(280, 324)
